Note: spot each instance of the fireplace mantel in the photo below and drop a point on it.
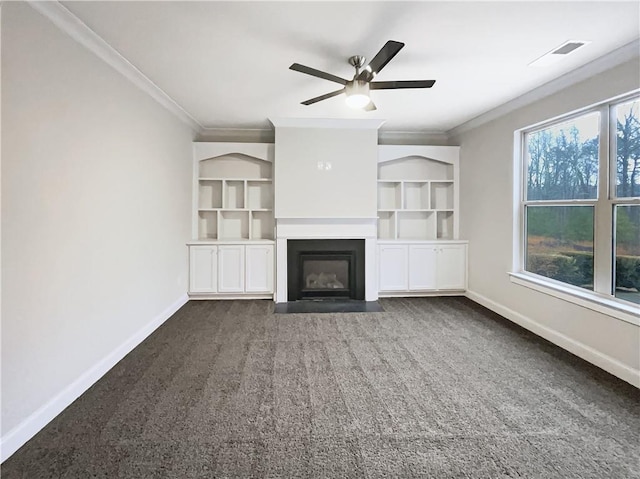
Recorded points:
(326, 228)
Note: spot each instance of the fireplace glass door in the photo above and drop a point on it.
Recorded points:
(325, 275)
(320, 269)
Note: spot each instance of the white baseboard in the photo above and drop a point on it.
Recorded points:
(28, 428)
(583, 351)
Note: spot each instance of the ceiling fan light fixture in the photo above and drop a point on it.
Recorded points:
(357, 93)
(357, 90)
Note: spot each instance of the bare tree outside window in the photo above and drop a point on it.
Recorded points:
(627, 215)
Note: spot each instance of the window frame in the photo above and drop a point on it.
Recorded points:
(602, 298)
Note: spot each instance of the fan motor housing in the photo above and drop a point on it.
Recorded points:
(357, 61)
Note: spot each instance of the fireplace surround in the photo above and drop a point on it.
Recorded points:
(325, 268)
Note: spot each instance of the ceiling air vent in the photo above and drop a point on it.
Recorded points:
(558, 53)
(567, 48)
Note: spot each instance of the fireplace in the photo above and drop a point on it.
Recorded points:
(325, 269)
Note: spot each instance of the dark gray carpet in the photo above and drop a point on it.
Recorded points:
(432, 387)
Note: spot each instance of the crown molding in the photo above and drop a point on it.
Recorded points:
(385, 137)
(426, 137)
(613, 59)
(236, 135)
(80, 32)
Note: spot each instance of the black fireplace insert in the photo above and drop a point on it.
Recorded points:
(325, 269)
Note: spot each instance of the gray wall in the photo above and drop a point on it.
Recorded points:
(347, 190)
(96, 180)
(487, 163)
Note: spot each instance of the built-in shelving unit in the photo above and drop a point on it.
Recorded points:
(416, 197)
(418, 248)
(232, 251)
(234, 198)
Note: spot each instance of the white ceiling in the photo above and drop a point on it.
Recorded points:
(227, 63)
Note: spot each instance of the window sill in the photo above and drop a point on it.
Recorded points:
(587, 299)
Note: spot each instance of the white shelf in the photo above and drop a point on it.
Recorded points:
(389, 195)
(210, 194)
(387, 224)
(262, 225)
(416, 195)
(208, 224)
(233, 194)
(234, 225)
(416, 225)
(444, 225)
(259, 195)
(442, 195)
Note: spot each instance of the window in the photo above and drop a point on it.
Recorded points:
(580, 201)
(626, 217)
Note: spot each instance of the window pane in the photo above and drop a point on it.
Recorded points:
(628, 149)
(562, 160)
(628, 252)
(560, 243)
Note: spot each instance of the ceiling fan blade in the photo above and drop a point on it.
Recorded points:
(317, 73)
(384, 56)
(390, 85)
(323, 97)
(370, 106)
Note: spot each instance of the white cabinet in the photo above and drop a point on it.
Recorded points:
(231, 270)
(392, 267)
(422, 267)
(452, 266)
(259, 269)
(203, 269)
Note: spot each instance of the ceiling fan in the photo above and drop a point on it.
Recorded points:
(357, 89)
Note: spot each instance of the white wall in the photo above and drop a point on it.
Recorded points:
(487, 222)
(347, 190)
(96, 182)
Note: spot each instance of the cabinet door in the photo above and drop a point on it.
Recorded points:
(231, 269)
(392, 268)
(452, 266)
(203, 269)
(259, 268)
(422, 267)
